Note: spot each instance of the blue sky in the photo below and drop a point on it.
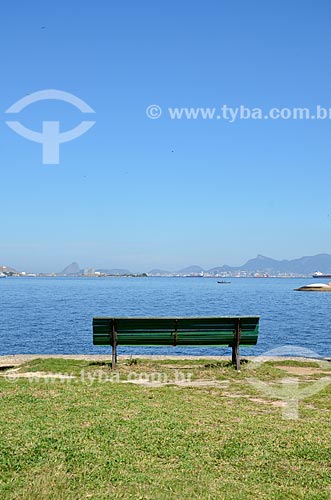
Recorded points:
(140, 193)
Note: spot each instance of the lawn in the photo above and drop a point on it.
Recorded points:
(163, 429)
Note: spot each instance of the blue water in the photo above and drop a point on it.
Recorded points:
(54, 315)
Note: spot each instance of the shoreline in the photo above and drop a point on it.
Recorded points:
(18, 359)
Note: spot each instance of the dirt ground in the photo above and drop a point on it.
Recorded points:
(18, 359)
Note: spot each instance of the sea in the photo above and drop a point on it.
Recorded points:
(54, 315)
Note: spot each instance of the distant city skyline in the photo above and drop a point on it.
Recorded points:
(143, 191)
(304, 265)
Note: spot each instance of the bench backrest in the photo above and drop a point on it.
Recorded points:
(176, 331)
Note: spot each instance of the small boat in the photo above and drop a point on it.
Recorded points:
(224, 282)
(318, 274)
(315, 287)
(2, 275)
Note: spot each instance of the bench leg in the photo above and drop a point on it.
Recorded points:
(236, 357)
(113, 339)
(235, 347)
(113, 356)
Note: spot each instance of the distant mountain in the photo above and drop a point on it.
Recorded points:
(71, 270)
(115, 272)
(221, 269)
(191, 270)
(260, 264)
(303, 265)
(7, 270)
(159, 272)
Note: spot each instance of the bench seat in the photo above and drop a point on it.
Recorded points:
(188, 331)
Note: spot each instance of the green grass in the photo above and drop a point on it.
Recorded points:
(72, 439)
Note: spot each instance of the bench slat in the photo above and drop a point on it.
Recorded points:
(195, 331)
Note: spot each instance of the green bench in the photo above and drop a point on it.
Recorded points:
(217, 331)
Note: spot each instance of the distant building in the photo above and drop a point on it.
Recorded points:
(89, 271)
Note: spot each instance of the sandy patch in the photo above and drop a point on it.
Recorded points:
(18, 359)
(278, 403)
(302, 370)
(179, 383)
(14, 374)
